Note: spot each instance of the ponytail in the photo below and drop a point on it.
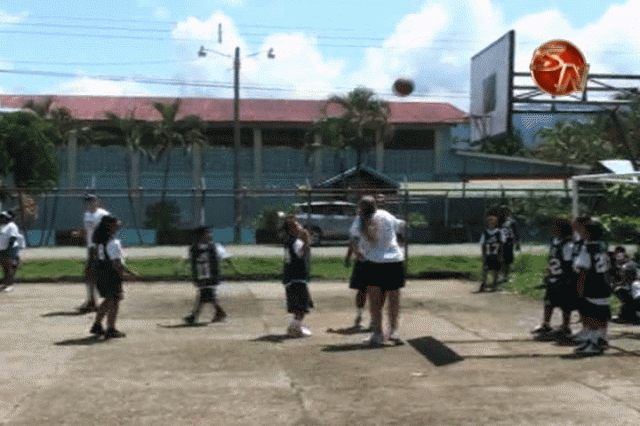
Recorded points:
(367, 209)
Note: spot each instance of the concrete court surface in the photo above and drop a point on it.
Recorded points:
(480, 368)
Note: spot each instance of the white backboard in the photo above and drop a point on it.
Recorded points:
(491, 88)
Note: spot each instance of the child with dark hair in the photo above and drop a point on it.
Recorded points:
(109, 274)
(205, 256)
(624, 277)
(511, 237)
(11, 242)
(579, 225)
(491, 242)
(592, 266)
(295, 278)
(560, 290)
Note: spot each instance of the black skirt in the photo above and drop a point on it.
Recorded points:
(387, 276)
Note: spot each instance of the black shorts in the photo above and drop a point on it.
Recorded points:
(109, 289)
(90, 265)
(507, 253)
(597, 312)
(387, 276)
(207, 294)
(562, 294)
(491, 263)
(298, 297)
(357, 281)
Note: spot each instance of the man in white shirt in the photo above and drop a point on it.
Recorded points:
(92, 217)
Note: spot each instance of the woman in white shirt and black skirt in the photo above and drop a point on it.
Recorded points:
(383, 265)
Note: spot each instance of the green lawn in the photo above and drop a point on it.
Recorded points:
(251, 268)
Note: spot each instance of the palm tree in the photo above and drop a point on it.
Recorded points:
(135, 136)
(171, 132)
(363, 115)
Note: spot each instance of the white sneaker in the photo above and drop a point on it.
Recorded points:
(395, 337)
(375, 339)
(305, 331)
(7, 289)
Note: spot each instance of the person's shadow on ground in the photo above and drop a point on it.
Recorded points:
(274, 338)
(62, 314)
(82, 341)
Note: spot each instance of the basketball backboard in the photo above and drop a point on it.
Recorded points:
(491, 88)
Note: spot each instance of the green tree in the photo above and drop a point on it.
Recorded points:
(508, 145)
(172, 132)
(575, 142)
(362, 116)
(136, 138)
(27, 152)
(60, 124)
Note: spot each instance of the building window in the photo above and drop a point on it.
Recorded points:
(411, 139)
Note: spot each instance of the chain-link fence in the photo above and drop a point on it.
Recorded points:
(152, 216)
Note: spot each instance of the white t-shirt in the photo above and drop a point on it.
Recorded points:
(91, 222)
(384, 248)
(114, 250)
(6, 232)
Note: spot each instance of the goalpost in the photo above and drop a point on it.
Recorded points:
(626, 178)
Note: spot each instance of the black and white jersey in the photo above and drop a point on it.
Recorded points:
(295, 262)
(491, 242)
(510, 231)
(560, 264)
(594, 260)
(205, 261)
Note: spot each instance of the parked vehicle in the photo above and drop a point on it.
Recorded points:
(326, 220)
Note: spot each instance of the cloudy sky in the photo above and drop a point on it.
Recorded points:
(149, 47)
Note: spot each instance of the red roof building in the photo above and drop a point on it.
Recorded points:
(282, 112)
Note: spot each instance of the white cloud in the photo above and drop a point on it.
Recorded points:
(7, 19)
(433, 46)
(298, 70)
(91, 86)
(162, 13)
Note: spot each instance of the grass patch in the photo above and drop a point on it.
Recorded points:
(251, 268)
(527, 270)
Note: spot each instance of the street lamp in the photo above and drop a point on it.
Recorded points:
(236, 132)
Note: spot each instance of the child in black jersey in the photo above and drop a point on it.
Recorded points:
(205, 256)
(509, 227)
(296, 275)
(560, 290)
(624, 277)
(592, 266)
(491, 242)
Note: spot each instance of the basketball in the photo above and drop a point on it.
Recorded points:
(403, 87)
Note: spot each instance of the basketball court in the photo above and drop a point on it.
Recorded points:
(467, 359)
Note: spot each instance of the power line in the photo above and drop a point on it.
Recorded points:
(208, 84)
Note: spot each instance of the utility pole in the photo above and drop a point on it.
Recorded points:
(237, 205)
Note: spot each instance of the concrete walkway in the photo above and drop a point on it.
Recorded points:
(468, 360)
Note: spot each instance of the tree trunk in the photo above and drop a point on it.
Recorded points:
(166, 177)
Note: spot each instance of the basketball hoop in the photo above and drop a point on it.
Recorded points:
(480, 126)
